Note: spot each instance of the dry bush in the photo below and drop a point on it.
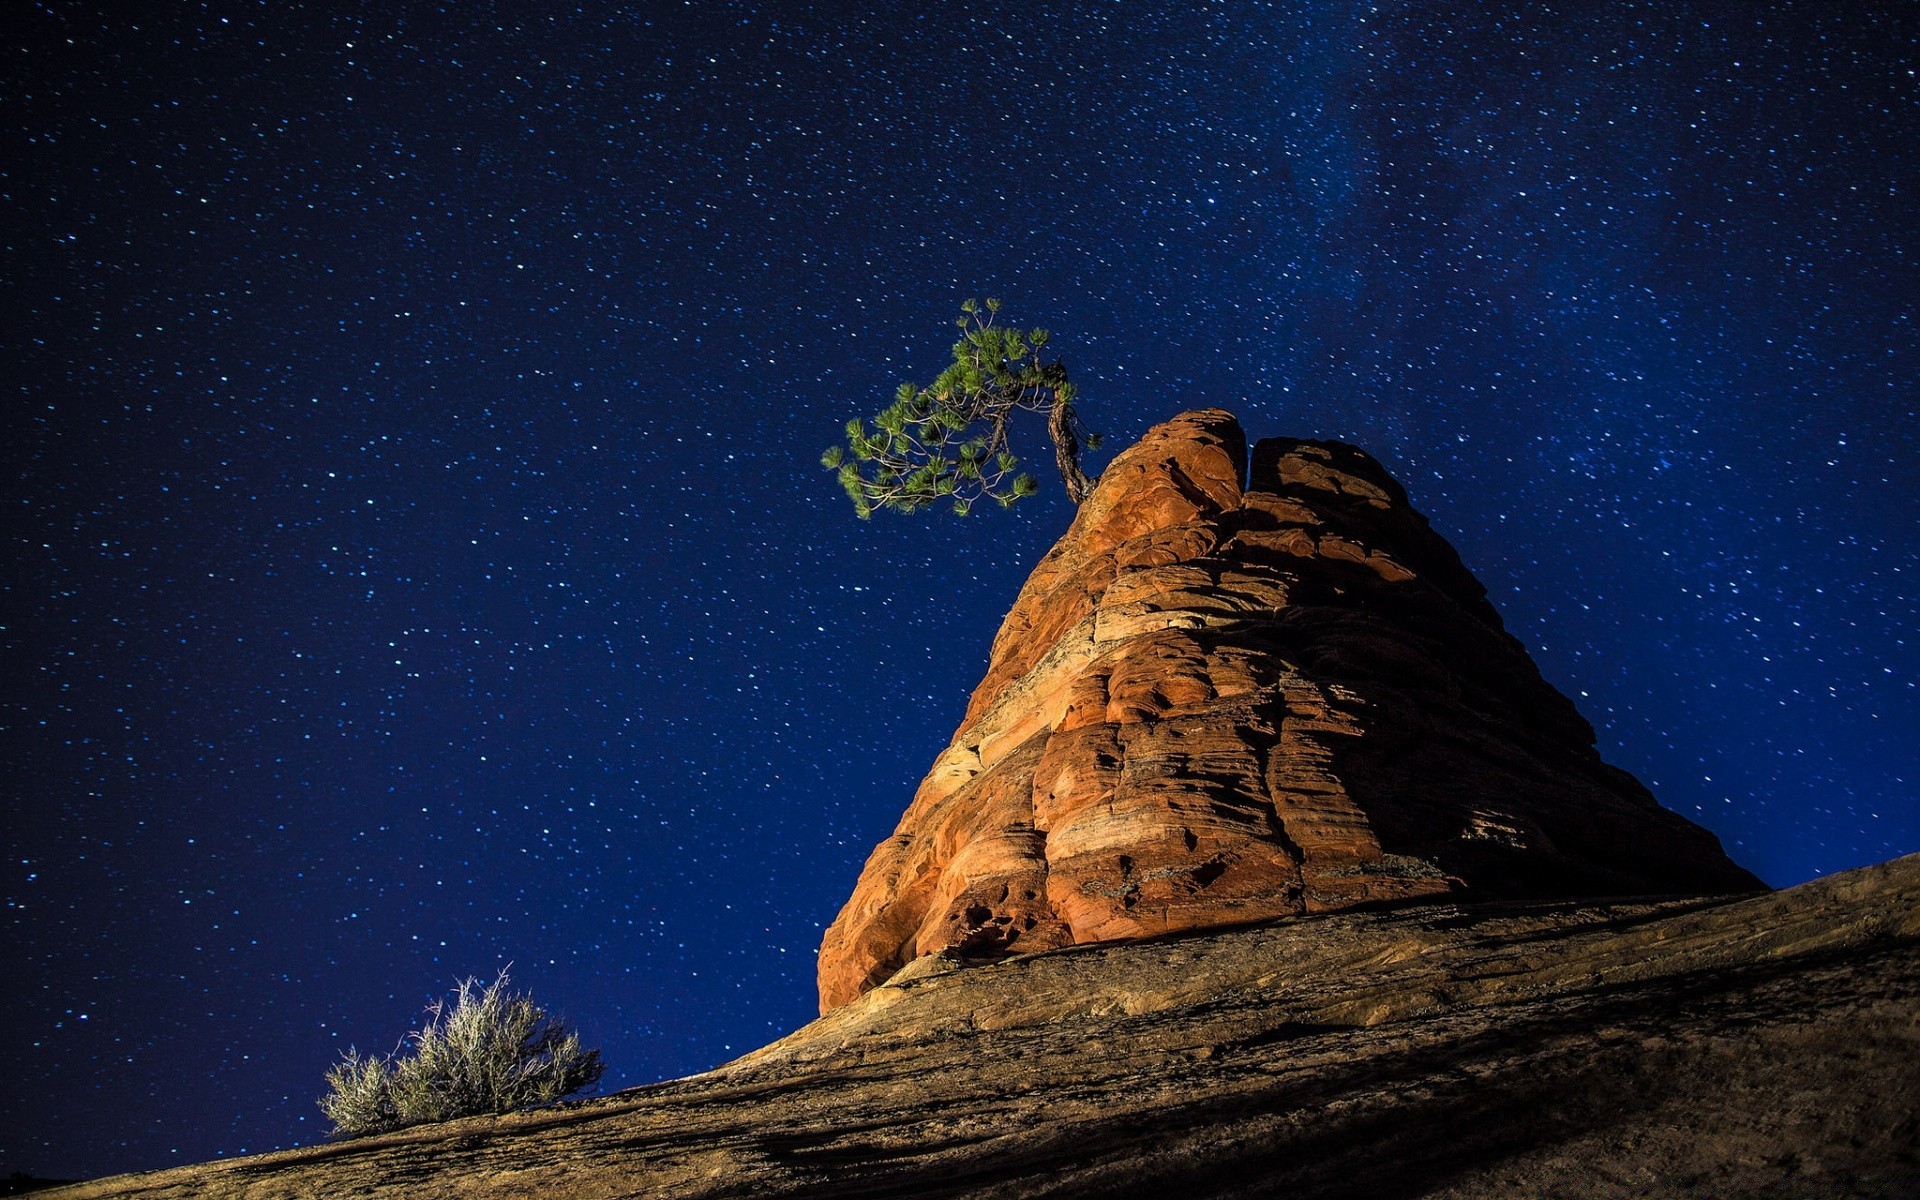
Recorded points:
(489, 1051)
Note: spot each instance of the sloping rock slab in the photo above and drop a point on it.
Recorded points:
(1764, 1046)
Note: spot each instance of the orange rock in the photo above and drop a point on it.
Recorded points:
(1212, 705)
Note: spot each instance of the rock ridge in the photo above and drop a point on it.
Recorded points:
(1244, 686)
(1728, 1047)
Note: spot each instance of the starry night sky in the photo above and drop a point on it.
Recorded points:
(417, 557)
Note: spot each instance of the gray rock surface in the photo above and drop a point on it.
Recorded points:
(1734, 1047)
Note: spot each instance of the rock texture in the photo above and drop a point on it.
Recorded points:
(1228, 730)
(1758, 1047)
(1215, 703)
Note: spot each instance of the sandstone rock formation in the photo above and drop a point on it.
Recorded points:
(1215, 703)
(1757, 1047)
(1252, 717)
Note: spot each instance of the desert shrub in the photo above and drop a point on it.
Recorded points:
(489, 1051)
(359, 1096)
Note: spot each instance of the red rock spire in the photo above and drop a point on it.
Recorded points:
(1214, 704)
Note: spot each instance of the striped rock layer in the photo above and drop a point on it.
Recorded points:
(1235, 692)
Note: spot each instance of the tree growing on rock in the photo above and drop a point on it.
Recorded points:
(947, 441)
(490, 1051)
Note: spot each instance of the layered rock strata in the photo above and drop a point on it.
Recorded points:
(1233, 693)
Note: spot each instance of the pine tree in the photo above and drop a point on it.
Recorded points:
(948, 441)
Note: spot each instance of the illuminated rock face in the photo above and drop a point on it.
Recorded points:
(1216, 702)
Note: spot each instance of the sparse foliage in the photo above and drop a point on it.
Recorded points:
(359, 1096)
(948, 441)
(490, 1051)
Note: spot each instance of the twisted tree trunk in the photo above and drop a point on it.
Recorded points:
(1066, 452)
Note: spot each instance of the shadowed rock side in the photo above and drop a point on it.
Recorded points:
(1759, 1047)
(1214, 704)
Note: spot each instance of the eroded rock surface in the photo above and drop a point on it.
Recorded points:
(1215, 703)
(1759, 1047)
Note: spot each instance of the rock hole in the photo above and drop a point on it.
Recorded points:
(1206, 873)
(1186, 835)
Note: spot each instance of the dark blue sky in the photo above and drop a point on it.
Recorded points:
(417, 559)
